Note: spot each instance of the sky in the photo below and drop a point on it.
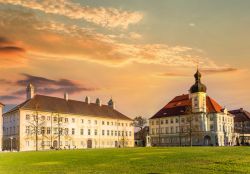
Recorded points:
(140, 53)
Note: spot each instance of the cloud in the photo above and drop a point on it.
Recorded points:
(218, 70)
(172, 74)
(202, 70)
(105, 17)
(52, 40)
(48, 86)
(43, 86)
(8, 97)
(11, 54)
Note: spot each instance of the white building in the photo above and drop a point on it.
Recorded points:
(44, 122)
(192, 119)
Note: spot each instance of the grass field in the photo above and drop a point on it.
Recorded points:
(135, 160)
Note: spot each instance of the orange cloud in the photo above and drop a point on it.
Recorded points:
(106, 17)
(11, 55)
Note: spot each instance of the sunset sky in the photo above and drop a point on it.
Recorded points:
(142, 53)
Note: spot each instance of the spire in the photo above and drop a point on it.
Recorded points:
(198, 86)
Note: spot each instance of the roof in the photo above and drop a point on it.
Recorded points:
(180, 104)
(60, 105)
(198, 86)
(240, 115)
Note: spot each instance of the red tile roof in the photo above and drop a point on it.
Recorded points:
(180, 104)
(60, 105)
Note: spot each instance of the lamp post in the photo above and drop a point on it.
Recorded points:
(11, 138)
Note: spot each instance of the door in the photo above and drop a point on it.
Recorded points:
(55, 144)
(89, 144)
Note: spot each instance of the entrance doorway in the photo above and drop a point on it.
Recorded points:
(89, 144)
(54, 144)
(116, 144)
(207, 140)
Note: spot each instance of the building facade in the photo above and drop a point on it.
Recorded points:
(44, 122)
(192, 119)
(242, 125)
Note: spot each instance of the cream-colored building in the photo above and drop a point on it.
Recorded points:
(192, 119)
(44, 122)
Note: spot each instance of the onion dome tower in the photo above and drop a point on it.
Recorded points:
(198, 94)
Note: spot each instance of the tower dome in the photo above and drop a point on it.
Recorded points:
(198, 86)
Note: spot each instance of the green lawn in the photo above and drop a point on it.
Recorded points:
(135, 160)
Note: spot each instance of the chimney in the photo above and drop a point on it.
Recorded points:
(111, 104)
(98, 102)
(30, 91)
(87, 100)
(66, 96)
(241, 110)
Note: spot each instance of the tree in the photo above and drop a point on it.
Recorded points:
(36, 124)
(140, 122)
(191, 127)
(60, 129)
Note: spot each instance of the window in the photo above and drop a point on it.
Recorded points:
(177, 129)
(172, 130)
(43, 130)
(103, 132)
(81, 131)
(43, 118)
(161, 121)
(166, 121)
(182, 120)
(48, 130)
(73, 120)
(66, 131)
(152, 122)
(48, 118)
(112, 123)
(89, 132)
(95, 122)
(27, 117)
(95, 131)
(66, 120)
(55, 130)
(211, 118)
(103, 123)
(55, 119)
(89, 121)
(82, 120)
(115, 133)
(119, 133)
(122, 124)
(60, 119)
(172, 121)
(167, 130)
(107, 132)
(112, 133)
(73, 131)
(211, 127)
(27, 143)
(107, 123)
(126, 133)
(176, 120)
(27, 131)
(130, 134)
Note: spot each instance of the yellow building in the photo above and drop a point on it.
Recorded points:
(44, 122)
